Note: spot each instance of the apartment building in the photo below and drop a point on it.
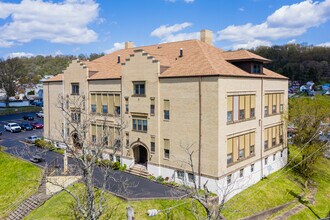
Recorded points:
(225, 105)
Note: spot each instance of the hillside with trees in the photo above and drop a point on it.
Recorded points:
(298, 61)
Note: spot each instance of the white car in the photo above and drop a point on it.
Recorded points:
(40, 114)
(32, 139)
(12, 127)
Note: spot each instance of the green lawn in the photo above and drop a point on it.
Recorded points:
(12, 110)
(60, 206)
(18, 180)
(322, 202)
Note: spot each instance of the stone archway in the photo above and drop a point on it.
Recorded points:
(140, 153)
(75, 140)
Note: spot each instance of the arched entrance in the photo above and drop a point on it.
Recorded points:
(140, 155)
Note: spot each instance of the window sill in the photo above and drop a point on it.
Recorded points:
(278, 145)
(139, 95)
(240, 160)
(238, 121)
(266, 116)
(166, 158)
(74, 93)
(140, 131)
(167, 120)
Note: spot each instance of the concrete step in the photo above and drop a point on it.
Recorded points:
(139, 170)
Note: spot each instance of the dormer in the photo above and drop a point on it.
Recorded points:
(246, 61)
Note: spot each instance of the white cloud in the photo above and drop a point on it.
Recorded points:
(241, 9)
(63, 22)
(58, 53)
(116, 46)
(288, 21)
(20, 54)
(292, 41)
(252, 44)
(189, 1)
(168, 33)
(326, 44)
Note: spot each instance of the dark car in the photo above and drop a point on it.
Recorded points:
(37, 125)
(28, 117)
(37, 159)
(26, 126)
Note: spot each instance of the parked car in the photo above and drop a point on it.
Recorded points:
(40, 114)
(37, 125)
(37, 159)
(12, 127)
(40, 104)
(28, 117)
(26, 126)
(32, 139)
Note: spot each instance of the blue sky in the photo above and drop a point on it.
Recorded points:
(32, 27)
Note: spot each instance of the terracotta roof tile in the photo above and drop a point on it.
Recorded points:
(56, 78)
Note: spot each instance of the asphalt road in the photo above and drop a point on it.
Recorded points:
(120, 183)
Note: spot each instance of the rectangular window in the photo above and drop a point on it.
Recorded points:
(274, 109)
(229, 179)
(252, 168)
(266, 160)
(152, 106)
(126, 105)
(166, 109)
(266, 144)
(139, 88)
(152, 144)
(266, 110)
(105, 141)
(241, 173)
(281, 153)
(191, 177)
(256, 68)
(281, 102)
(75, 117)
(180, 174)
(93, 108)
(93, 138)
(253, 106)
(241, 147)
(229, 108)
(117, 104)
(241, 108)
(166, 148)
(274, 104)
(74, 88)
(252, 112)
(252, 151)
(104, 109)
(140, 124)
(252, 143)
(274, 157)
(127, 139)
(266, 105)
(229, 151)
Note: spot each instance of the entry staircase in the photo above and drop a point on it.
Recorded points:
(139, 170)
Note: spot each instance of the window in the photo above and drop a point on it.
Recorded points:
(229, 158)
(266, 144)
(266, 160)
(152, 144)
(118, 158)
(152, 106)
(191, 177)
(274, 157)
(240, 147)
(75, 117)
(126, 105)
(111, 157)
(252, 152)
(229, 108)
(241, 153)
(104, 109)
(117, 104)
(266, 110)
(139, 88)
(140, 125)
(180, 174)
(256, 68)
(93, 138)
(274, 101)
(252, 113)
(74, 88)
(230, 151)
(273, 142)
(274, 109)
(166, 148)
(241, 173)
(93, 108)
(281, 153)
(281, 108)
(105, 141)
(229, 179)
(166, 110)
(127, 139)
(240, 107)
(252, 168)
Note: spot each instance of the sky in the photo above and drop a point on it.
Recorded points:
(73, 27)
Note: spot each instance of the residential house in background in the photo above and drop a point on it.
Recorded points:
(225, 104)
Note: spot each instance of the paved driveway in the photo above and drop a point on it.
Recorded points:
(120, 183)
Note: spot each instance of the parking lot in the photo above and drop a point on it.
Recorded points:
(9, 139)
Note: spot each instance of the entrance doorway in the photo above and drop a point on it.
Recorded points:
(140, 155)
(75, 140)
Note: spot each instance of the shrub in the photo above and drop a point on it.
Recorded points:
(152, 178)
(116, 165)
(122, 168)
(160, 179)
(105, 163)
(44, 144)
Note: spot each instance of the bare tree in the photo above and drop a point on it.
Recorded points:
(212, 205)
(10, 71)
(86, 152)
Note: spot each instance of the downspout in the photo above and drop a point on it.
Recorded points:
(200, 133)
(121, 116)
(48, 111)
(261, 125)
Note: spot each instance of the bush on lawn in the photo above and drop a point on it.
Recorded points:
(44, 144)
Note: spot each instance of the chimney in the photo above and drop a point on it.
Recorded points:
(129, 44)
(206, 36)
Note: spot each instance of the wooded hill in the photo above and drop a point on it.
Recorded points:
(298, 62)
